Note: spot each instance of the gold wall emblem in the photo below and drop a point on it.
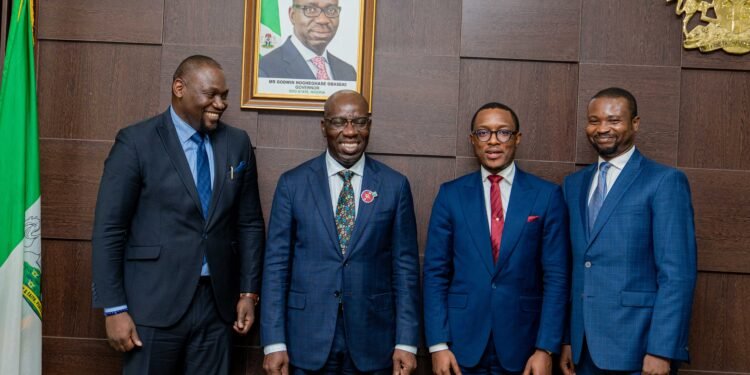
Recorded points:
(728, 25)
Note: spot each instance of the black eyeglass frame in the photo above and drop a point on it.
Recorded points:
(499, 134)
(331, 11)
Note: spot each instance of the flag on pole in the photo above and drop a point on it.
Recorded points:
(270, 26)
(20, 224)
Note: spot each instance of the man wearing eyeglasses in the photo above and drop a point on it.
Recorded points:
(304, 54)
(496, 261)
(341, 272)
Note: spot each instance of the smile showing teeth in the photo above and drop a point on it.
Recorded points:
(212, 116)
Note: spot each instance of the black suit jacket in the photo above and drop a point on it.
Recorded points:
(287, 62)
(149, 233)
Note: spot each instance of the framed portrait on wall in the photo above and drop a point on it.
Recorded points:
(296, 53)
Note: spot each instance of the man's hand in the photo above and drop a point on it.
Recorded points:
(653, 365)
(245, 315)
(121, 332)
(566, 360)
(403, 362)
(443, 362)
(540, 363)
(276, 363)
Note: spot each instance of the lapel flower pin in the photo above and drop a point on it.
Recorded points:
(368, 196)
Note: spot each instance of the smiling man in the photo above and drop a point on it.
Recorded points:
(304, 54)
(496, 262)
(341, 272)
(178, 232)
(634, 252)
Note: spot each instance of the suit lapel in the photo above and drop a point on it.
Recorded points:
(522, 198)
(295, 62)
(172, 145)
(370, 181)
(614, 196)
(583, 201)
(475, 214)
(219, 143)
(321, 192)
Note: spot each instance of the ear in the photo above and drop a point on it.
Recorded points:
(291, 9)
(518, 139)
(178, 88)
(471, 139)
(636, 123)
(323, 128)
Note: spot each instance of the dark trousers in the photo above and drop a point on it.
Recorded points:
(586, 365)
(197, 344)
(339, 361)
(488, 364)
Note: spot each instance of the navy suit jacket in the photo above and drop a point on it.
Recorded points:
(522, 299)
(634, 274)
(305, 273)
(149, 233)
(287, 62)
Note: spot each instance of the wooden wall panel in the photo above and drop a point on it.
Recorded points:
(642, 32)
(657, 91)
(542, 95)
(70, 174)
(73, 356)
(721, 201)
(718, 60)
(300, 130)
(272, 162)
(204, 23)
(133, 21)
(418, 27)
(90, 90)
(521, 29)
(714, 126)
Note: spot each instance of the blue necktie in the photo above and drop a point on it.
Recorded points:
(597, 199)
(203, 183)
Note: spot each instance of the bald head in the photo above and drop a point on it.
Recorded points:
(338, 98)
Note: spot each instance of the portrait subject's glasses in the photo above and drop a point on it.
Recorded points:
(339, 123)
(503, 135)
(313, 11)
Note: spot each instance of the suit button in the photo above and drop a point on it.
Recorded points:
(205, 236)
(494, 286)
(336, 294)
(587, 264)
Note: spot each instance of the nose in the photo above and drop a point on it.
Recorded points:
(322, 18)
(494, 138)
(219, 103)
(349, 129)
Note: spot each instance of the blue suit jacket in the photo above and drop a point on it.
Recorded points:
(305, 273)
(522, 299)
(634, 274)
(287, 62)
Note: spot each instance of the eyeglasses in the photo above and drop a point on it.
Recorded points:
(311, 11)
(339, 123)
(502, 135)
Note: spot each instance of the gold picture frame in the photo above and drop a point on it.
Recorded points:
(274, 73)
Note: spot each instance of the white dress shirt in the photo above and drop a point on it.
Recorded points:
(308, 55)
(618, 163)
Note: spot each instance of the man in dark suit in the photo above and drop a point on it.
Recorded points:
(634, 254)
(303, 55)
(496, 262)
(341, 272)
(178, 232)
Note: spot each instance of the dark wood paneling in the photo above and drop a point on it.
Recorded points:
(721, 201)
(300, 130)
(714, 113)
(542, 95)
(66, 287)
(720, 331)
(657, 91)
(73, 356)
(642, 32)
(272, 162)
(90, 90)
(70, 174)
(521, 29)
(414, 105)
(418, 27)
(208, 23)
(230, 59)
(133, 21)
(714, 60)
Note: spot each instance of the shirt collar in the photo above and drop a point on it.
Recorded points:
(618, 161)
(333, 167)
(508, 174)
(306, 53)
(184, 131)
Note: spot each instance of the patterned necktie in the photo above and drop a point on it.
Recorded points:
(320, 63)
(203, 183)
(345, 211)
(496, 216)
(597, 199)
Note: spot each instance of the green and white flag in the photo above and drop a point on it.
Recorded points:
(20, 225)
(270, 27)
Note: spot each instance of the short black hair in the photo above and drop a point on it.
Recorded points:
(193, 62)
(496, 105)
(618, 92)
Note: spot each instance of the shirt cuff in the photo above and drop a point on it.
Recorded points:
(407, 348)
(439, 347)
(273, 348)
(115, 308)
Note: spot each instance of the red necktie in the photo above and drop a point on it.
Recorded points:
(498, 221)
(320, 64)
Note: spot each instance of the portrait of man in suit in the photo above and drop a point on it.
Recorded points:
(341, 270)
(178, 232)
(304, 54)
(633, 251)
(496, 261)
